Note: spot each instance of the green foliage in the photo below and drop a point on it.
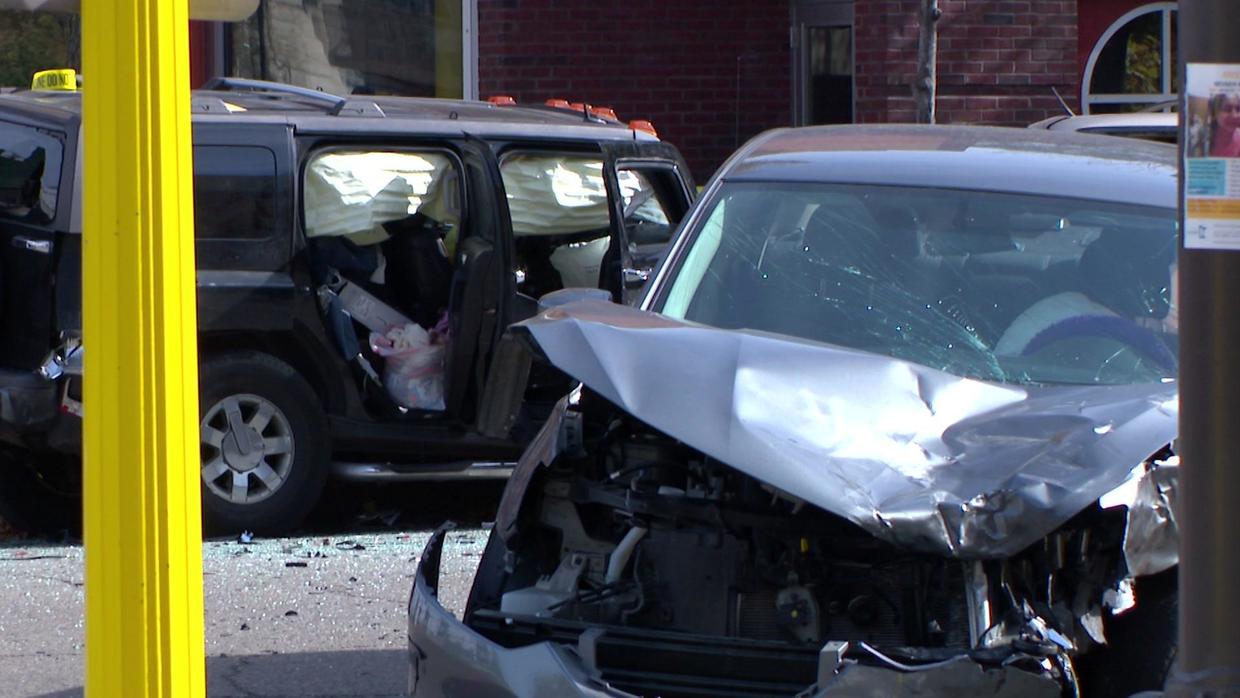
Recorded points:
(33, 41)
(1143, 64)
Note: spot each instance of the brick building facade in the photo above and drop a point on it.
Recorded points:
(708, 78)
(998, 60)
(710, 74)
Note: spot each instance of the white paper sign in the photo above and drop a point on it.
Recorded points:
(1212, 157)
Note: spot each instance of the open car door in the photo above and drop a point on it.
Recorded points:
(481, 287)
(581, 220)
(653, 191)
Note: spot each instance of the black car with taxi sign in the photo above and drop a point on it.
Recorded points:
(357, 261)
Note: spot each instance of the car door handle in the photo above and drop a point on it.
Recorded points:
(635, 276)
(40, 246)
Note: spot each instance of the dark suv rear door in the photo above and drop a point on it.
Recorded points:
(243, 227)
(40, 245)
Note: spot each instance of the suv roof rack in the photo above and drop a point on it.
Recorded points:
(231, 84)
(336, 105)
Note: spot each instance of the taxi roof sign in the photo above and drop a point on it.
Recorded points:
(62, 79)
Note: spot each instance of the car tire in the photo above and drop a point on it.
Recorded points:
(30, 500)
(1141, 644)
(264, 442)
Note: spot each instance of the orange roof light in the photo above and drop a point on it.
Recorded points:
(578, 106)
(557, 103)
(605, 112)
(502, 100)
(643, 126)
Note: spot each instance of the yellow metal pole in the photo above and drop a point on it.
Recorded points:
(143, 537)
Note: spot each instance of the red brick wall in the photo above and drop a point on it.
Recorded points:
(709, 74)
(712, 74)
(1095, 17)
(997, 60)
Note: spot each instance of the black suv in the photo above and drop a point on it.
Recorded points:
(358, 260)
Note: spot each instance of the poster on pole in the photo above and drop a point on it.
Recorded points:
(1212, 157)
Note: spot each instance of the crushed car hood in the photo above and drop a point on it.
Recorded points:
(924, 459)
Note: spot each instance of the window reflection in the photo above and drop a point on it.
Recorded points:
(29, 173)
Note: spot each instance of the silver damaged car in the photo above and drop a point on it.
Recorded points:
(895, 416)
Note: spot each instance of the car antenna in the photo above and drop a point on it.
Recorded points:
(1062, 103)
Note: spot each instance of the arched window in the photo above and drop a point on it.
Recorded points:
(1132, 67)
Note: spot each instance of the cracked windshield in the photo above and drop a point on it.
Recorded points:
(1006, 288)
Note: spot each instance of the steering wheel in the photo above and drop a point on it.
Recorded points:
(1113, 327)
(1073, 315)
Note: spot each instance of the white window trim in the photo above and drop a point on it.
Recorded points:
(1167, 59)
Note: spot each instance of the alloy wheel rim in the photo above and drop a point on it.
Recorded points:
(247, 448)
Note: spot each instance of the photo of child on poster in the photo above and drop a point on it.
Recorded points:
(1214, 125)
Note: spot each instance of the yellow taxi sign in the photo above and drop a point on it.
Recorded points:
(59, 79)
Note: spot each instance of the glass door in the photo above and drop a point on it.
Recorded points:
(823, 70)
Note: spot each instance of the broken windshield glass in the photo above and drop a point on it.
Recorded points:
(1002, 287)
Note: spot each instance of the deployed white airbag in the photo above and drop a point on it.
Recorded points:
(555, 194)
(353, 193)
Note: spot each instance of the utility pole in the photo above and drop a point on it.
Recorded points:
(1208, 510)
(925, 88)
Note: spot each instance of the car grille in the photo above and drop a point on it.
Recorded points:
(666, 664)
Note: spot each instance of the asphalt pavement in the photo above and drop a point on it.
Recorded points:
(321, 614)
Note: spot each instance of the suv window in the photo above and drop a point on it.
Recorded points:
(652, 207)
(561, 220)
(353, 193)
(234, 192)
(29, 173)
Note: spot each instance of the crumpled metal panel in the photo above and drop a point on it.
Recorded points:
(918, 457)
(1152, 537)
(449, 660)
(543, 449)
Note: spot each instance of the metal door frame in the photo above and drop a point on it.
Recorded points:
(816, 13)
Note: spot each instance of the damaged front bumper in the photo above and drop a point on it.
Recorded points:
(448, 658)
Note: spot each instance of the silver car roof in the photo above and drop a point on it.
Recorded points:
(983, 158)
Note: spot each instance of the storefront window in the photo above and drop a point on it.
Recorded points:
(1133, 67)
(400, 47)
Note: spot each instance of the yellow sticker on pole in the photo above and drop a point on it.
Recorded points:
(63, 79)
